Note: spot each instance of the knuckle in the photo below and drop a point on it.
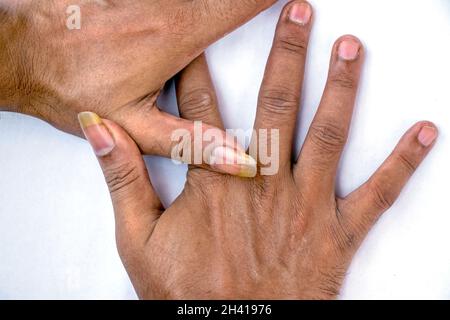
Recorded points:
(199, 176)
(279, 101)
(118, 177)
(201, 183)
(197, 103)
(328, 137)
(383, 198)
(292, 44)
(343, 80)
(407, 163)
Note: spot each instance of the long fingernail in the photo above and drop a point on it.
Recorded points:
(427, 136)
(300, 13)
(233, 162)
(96, 133)
(349, 49)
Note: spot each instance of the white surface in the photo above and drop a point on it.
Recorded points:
(56, 221)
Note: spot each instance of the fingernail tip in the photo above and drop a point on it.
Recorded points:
(105, 151)
(87, 118)
(248, 173)
(249, 170)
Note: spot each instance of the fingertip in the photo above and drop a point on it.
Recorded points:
(416, 143)
(97, 133)
(426, 123)
(422, 134)
(347, 59)
(428, 134)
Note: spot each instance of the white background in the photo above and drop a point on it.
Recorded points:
(56, 220)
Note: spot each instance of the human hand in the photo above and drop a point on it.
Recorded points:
(282, 236)
(114, 65)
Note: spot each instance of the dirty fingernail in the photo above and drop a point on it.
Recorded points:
(96, 133)
(234, 162)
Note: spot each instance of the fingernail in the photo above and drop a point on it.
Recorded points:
(300, 13)
(349, 49)
(96, 133)
(233, 162)
(427, 136)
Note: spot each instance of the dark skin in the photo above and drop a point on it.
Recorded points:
(115, 65)
(287, 235)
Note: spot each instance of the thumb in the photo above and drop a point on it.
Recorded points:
(194, 143)
(136, 205)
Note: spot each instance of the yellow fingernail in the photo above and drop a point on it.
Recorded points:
(96, 133)
(234, 162)
(88, 119)
(248, 167)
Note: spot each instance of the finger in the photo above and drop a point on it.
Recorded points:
(362, 208)
(136, 205)
(196, 95)
(328, 133)
(194, 143)
(280, 92)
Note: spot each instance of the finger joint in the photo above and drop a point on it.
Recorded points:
(120, 177)
(292, 44)
(382, 197)
(407, 163)
(328, 137)
(343, 80)
(279, 101)
(197, 103)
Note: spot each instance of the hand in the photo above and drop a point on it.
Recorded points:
(115, 65)
(283, 236)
